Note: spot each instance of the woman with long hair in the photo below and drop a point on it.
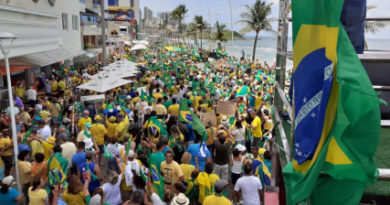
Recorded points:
(36, 193)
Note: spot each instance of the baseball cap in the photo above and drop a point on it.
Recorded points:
(9, 180)
(220, 185)
(240, 147)
(130, 154)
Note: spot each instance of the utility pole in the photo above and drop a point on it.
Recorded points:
(231, 21)
(103, 24)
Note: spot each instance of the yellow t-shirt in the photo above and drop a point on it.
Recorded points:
(111, 127)
(160, 109)
(195, 100)
(220, 200)
(171, 172)
(134, 100)
(82, 122)
(6, 142)
(203, 190)
(73, 198)
(258, 102)
(54, 86)
(24, 169)
(98, 131)
(62, 85)
(157, 96)
(187, 170)
(36, 147)
(19, 92)
(257, 132)
(174, 109)
(38, 196)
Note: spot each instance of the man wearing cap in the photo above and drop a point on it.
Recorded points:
(218, 197)
(84, 120)
(10, 195)
(223, 146)
(98, 131)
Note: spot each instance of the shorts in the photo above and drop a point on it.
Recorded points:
(8, 161)
(257, 142)
(101, 149)
(235, 177)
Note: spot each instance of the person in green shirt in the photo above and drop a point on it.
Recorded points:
(167, 102)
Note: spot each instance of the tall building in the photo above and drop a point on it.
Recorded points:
(48, 33)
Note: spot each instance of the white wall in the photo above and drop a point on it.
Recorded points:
(38, 26)
(34, 24)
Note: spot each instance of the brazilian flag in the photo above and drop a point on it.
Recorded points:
(144, 96)
(187, 116)
(168, 81)
(337, 118)
(57, 169)
(156, 124)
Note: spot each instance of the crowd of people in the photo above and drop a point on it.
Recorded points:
(149, 142)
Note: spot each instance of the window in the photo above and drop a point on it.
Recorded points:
(75, 22)
(64, 21)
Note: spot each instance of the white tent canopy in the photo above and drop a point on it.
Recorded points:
(137, 47)
(145, 42)
(103, 84)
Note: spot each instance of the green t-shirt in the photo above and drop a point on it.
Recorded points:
(167, 103)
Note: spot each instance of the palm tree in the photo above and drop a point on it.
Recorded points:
(178, 14)
(200, 25)
(256, 19)
(219, 34)
(372, 26)
(191, 30)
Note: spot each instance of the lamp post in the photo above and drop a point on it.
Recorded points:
(6, 40)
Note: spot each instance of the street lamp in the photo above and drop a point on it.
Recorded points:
(6, 40)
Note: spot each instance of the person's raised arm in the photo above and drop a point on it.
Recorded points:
(97, 171)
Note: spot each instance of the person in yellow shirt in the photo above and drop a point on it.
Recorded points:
(205, 181)
(111, 126)
(258, 101)
(157, 95)
(36, 193)
(98, 131)
(54, 86)
(24, 167)
(196, 100)
(84, 120)
(187, 169)
(174, 108)
(161, 111)
(256, 130)
(171, 170)
(123, 125)
(48, 145)
(6, 153)
(218, 197)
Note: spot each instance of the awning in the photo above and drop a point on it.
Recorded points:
(52, 56)
(13, 69)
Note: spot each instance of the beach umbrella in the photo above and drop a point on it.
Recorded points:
(103, 84)
(137, 47)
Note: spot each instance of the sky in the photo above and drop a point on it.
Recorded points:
(219, 10)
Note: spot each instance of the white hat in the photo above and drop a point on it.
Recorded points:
(240, 147)
(8, 180)
(130, 154)
(180, 199)
(88, 143)
(95, 200)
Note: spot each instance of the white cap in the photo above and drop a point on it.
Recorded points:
(130, 154)
(240, 147)
(8, 180)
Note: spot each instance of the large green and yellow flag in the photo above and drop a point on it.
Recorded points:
(337, 118)
(187, 116)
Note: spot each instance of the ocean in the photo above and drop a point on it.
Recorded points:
(266, 48)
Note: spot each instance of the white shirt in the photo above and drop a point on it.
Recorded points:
(68, 150)
(249, 187)
(31, 94)
(239, 134)
(45, 132)
(112, 193)
(156, 200)
(131, 165)
(115, 149)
